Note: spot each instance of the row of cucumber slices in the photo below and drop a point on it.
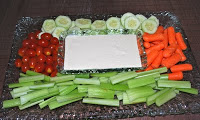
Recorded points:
(127, 21)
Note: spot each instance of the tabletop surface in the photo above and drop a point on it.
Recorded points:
(188, 11)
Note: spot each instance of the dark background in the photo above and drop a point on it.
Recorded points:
(188, 11)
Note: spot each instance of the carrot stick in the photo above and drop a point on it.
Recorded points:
(169, 50)
(155, 47)
(171, 35)
(156, 63)
(151, 56)
(147, 44)
(175, 76)
(171, 61)
(156, 42)
(160, 29)
(152, 44)
(180, 41)
(153, 37)
(181, 67)
(149, 68)
(165, 41)
(179, 51)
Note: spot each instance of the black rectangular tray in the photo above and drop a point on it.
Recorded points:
(183, 103)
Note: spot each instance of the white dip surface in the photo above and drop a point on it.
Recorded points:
(101, 52)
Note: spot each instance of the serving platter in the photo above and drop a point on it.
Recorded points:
(183, 103)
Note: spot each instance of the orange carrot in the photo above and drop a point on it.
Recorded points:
(171, 61)
(160, 29)
(156, 42)
(156, 63)
(147, 44)
(169, 50)
(175, 76)
(152, 44)
(151, 56)
(149, 68)
(165, 41)
(181, 67)
(179, 51)
(155, 47)
(171, 35)
(153, 37)
(180, 41)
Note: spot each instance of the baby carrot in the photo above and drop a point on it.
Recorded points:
(151, 56)
(156, 42)
(171, 61)
(149, 68)
(160, 29)
(153, 37)
(171, 35)
(147, 44)
(179, 51)
(169, 50)
(175, 76)
(156, 63)
(165, 41)
(155, 47)
(181, 67)
(180, 41)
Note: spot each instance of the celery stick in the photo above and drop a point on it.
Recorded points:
(118, 87)
(29, 104)
(65, 83)
(31, 78)
(176, 91)
(55, 104)
(47, 85)
(165, 97)
(100, 93)
(189, 90)
(153, 74)
(104, 80)
(108, 102)
(45, 96)
(62, 78)
(152, 85)
(59, 74)
(22, 75)
(11, 103)
(132, 83)
(106, 74)
(122, 77)
(164, 77)
(25, 98)
(68, 90)
(16, 95)
(85, 75)
(139, 92)
(14, 85)
(32, 73)
(86, 81)
(21, 89)
(47, 78)
(151, 99)
(119, 95)
(138, 100)
(61, 88)
(70, 96)
(175, 84)
(160, 70)
(46, 102)
(54, 89)
(84, 88)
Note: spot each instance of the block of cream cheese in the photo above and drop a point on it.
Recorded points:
(101, 52)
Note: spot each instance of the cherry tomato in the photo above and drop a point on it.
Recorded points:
(52, 46)
(46, 36)
(41, 58)
(39, 67)
(30, 52)
(55, 63)
(32, 62)
(49, 60)
(32, 45)
(54, 73)
(43, 42)
(54, 40)
(49, 68)
(25, 43)
(55, 57)
(22, 51)
(31, 36)
(25, 59)
(37, 32)
(47, 51)
(39, 50)
(57, 47)
(25, 67)
(18, 63)
(45, 73)
(54, 52)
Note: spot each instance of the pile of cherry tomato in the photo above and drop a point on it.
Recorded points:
(39, 55)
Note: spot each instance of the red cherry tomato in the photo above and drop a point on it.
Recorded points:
(47, 51)
(31, 36)
(32, 62)
(54, 40)
(39, 50)
(30, 53)
(39, 67)
(45, 73)
(54, 73)
(55, 63)
(49, 68)
(41, 58)
(57, 47)
(37, 32)
(49, 60)
(25, 59)
(52, 46)
(46, 36)
(32, 45)
(43, 42)
(25, 43)
(18, 63)
(54, 52)
(25, 67)
(22, 51)
(55, 57)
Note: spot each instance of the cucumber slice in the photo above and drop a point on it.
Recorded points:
(98, 25)
(63, 21)
(141, 18)
(74, 28)
(73, 24)
(83, 23)
(132, 23)
(149, 26)
(154, 18)
(58, 30)
(49, 25)
(124, 16)
(113, 23)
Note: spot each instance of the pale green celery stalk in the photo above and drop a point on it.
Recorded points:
(175, 84)
(32, 73)
(151, 99)
(98, 92)
(118, 87)
(62, 78)
(106, 74)
(138, 100)
(122, 77)
(189, 90)
(22, 75)
(65, 83)
(139, 92)
(152, 85)
(119, 95)
(68, 90)
(165, 97)
(61, 88)
(86, 81)
(42, 86)
(84, 88)
(11, 103)
(104, 80)
(29, 104)
(164, 77)
(108, 102)
(84, 75)
(132, 83)
(14, 85)
(21, 89)
(160, 70)
(31, 78)
(176, 91)
(153, 74)
(70, 96)
(46, 102)
(16, 95)
(54, 104)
